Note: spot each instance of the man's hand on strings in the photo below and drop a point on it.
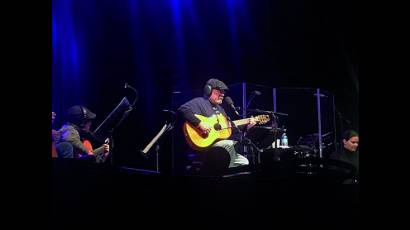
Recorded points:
(252, 122)
(204, 128)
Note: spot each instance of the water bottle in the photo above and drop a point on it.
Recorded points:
(284, 140)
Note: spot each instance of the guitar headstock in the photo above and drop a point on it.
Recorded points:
(262, 119)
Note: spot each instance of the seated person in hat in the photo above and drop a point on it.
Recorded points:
(207, 106)
(73, 139)
(54, 134)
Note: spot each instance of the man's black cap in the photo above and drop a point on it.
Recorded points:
(79, 113)
(217, 84)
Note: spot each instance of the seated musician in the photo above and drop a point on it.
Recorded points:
(349, 152)
(54, 134)
(74, 137)
(207, 106)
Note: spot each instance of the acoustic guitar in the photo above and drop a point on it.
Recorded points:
(220, 130)
(53, 134)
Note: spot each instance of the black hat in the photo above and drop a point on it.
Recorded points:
(79, 113)
(216, 84)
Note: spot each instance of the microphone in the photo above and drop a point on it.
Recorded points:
(128, 86)
(257, 93)
(229, 101)
(320, 95)
(253, 94)
(169, 111)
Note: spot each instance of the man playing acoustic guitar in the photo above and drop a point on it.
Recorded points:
(207, 127)
(76, 134)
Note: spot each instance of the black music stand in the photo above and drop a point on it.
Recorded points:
(114, 119)
(168, 126)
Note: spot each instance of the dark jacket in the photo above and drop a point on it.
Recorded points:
(202, 106)
(349, 157)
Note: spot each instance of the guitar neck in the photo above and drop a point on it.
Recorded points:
(242, 122)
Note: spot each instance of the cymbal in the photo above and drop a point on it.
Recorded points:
(316, 134)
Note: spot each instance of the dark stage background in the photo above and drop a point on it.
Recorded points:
(160, 47)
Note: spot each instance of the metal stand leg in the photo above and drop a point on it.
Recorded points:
(157, 156)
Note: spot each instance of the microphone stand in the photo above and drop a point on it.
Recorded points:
(247, 142)
(250, 100)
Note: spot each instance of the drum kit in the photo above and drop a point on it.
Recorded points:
(302, 160)
(304, 156)
(266, 139)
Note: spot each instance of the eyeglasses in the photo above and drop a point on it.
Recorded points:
(221, 91)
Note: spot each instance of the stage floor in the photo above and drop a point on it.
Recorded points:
(82, 189)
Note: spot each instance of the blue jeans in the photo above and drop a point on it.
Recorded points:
(65, 150)
(236, 159)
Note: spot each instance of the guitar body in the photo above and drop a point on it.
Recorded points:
(87, 144)
(200, 142)
(54, 134)
(53, 150)
(220, 130)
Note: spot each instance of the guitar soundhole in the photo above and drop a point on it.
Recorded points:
(217, 126)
